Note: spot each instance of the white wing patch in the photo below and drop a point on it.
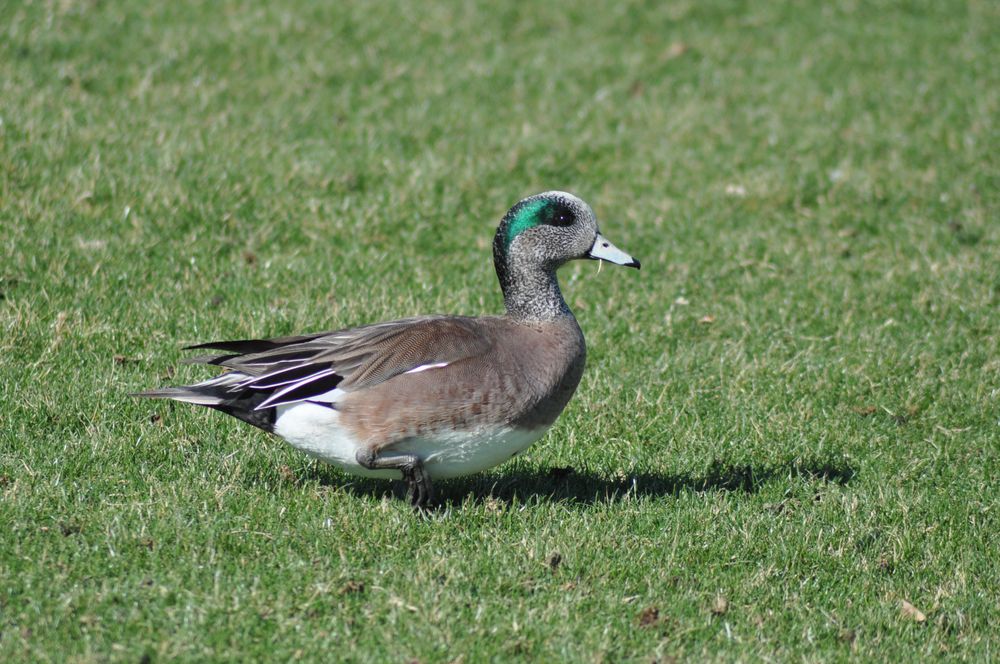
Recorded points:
(425, 367)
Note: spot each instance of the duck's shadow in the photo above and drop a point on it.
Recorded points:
(561, 484)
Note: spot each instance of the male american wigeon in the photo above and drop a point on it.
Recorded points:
(434, 396)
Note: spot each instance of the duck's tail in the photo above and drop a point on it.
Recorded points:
(222, 393)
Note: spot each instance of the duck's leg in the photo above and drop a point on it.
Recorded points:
(420, 490)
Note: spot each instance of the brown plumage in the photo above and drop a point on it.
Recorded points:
(433, 396)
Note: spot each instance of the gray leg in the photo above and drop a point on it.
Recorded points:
(420, 489)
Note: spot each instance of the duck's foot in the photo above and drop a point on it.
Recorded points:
(420, 492)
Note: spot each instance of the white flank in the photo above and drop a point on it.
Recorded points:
(457, 453)
(425, 367)
(316, 430)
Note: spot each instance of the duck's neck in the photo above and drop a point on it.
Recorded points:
(530, 291)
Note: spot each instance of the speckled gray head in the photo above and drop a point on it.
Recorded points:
(555, 227)
(535, 237)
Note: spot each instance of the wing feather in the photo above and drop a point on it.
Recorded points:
(289, 369)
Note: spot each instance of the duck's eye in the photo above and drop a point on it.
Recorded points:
(560, 215)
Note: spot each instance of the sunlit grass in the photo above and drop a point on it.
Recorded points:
(789, 421)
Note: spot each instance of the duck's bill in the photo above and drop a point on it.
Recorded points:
(605, 251)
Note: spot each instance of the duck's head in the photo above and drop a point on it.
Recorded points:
(550, 229)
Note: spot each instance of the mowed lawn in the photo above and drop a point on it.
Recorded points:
(786, 445)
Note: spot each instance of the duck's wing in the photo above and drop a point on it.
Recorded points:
(265, 373)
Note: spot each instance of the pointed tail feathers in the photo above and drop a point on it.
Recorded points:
(222, 393)
(212, 392)
(185, 394)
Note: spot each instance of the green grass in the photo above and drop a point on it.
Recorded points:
(790, 420)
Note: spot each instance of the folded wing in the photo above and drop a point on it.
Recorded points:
(266, 373)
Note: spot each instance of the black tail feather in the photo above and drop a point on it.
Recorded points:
(250, 346)
(240, 403)
(242, 408)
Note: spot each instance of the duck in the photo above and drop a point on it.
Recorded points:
(429, 397)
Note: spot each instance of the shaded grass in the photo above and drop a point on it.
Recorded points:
(793, 406)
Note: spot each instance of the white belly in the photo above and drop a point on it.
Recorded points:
(316, 431)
